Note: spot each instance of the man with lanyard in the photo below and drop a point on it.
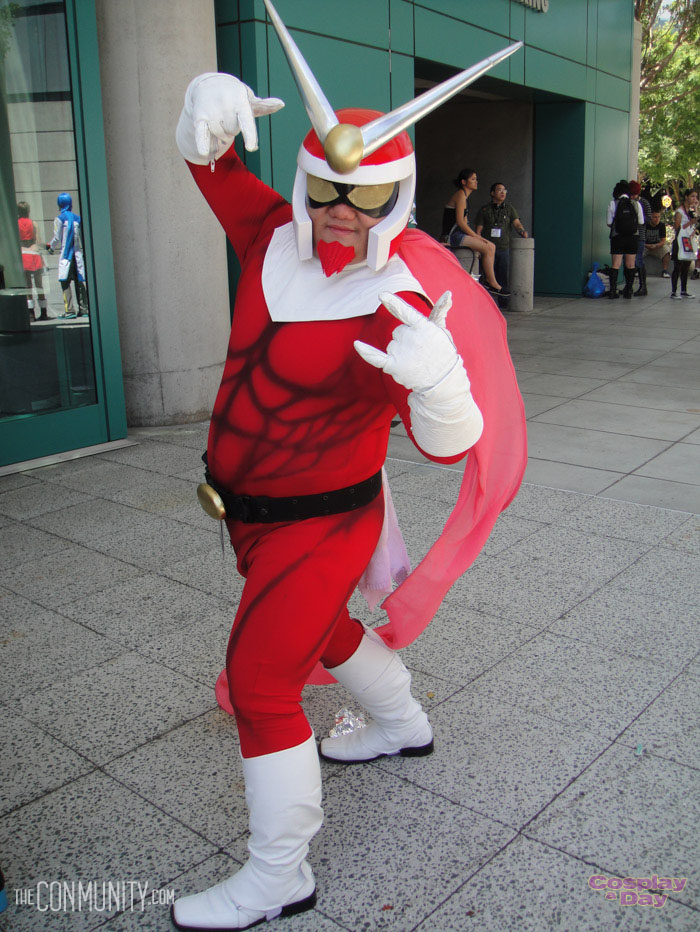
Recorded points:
(343, 317)
(493, 221)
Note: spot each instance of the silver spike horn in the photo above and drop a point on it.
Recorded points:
(345, 146)
(320, 112)
(385, 127)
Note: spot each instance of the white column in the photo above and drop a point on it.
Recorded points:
(169, 251)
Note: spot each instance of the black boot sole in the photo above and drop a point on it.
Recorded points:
(292, 909)
(421, 751)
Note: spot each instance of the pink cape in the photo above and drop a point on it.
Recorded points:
(495, 464)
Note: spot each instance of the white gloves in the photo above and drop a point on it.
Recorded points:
(218, 107)
(422, 357)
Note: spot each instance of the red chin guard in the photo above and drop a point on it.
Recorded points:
(334, 257)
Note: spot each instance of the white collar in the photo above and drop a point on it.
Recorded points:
(298, 291)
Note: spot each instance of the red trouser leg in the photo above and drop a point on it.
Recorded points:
(293, 612)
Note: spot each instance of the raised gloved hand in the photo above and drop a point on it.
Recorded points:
(218, 107)
(421, 352)
(423, 358)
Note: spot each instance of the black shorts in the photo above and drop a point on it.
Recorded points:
(624, 245)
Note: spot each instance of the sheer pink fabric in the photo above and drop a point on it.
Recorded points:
(390, 561)
(495, 465)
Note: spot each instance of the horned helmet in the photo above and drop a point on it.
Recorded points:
(362, 156)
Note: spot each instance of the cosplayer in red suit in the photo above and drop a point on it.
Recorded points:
(317, 366)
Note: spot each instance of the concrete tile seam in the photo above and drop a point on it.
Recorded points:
(678, 676)
(623, 475)
(379, 763)
(463, 884)
(158, 737)
(394, 459)
(593, 537)
(581, 640)
(13, 704)
(536, 633)
(656, 754)
(571, 782)
(615, 740)
(94, 768)
(165, 812)
(79, 597)
(180, 672)
(69, 674)
(136, 648)
(601, 869)
(157, 514)
(601, 494)
(661, 508)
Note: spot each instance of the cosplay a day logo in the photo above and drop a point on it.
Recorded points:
(637, 891)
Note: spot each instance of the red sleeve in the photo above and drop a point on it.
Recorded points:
(244, 206)
(398, 395)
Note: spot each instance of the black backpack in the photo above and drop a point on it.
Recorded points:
(626, 222)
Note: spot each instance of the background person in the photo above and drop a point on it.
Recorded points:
(636, 195)
(494, 221)
(71, 264)
(684, 223)
(624, 217)
(655, 242)
(455, 218)
(32, 261)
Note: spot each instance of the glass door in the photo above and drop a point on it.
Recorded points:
(60, 376)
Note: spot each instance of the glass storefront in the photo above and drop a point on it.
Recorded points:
(46, 357)
(53, 323)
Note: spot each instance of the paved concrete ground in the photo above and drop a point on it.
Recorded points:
(562, 672)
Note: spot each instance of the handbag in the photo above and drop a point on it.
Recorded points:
(685, 247)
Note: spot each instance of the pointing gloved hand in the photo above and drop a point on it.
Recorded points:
(423, 358)
(421, 351)
(218, 107)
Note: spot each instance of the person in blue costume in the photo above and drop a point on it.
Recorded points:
(71, 263)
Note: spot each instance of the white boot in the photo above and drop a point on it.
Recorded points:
(283, 793)
(377, 678)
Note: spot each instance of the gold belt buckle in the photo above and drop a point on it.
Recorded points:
(211, 502)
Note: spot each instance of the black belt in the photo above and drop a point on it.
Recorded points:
(264, 509)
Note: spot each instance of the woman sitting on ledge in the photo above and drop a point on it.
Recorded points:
(455, 224)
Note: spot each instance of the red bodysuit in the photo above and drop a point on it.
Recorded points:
(298, 412)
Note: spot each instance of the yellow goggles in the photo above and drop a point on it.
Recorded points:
(374, 200)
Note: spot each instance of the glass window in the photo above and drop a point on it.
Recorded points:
(46, 360)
